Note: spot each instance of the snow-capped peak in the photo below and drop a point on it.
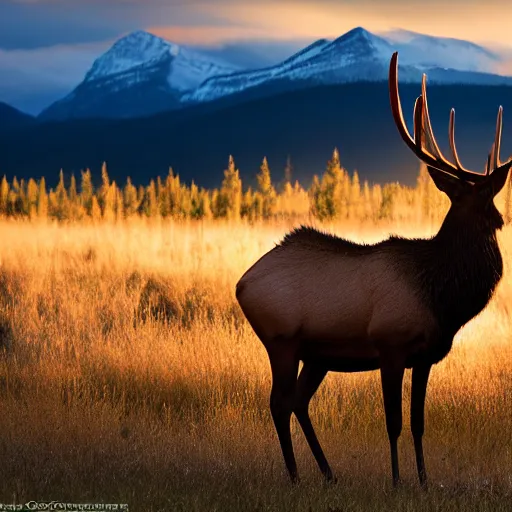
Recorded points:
(140, 49)
(359, 55)
(344, 59)
(443, 52)
(130, 51)
(355, 33)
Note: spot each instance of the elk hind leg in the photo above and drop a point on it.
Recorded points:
(285, 364)
(310, 378)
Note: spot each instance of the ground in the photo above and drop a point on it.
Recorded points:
(128, 374)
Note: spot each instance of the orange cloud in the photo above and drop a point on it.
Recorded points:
(306, 19)
(208, 34)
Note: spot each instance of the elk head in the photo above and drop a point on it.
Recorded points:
(471, 193)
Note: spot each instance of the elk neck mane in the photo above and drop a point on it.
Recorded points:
(307, 237)
(455, 272)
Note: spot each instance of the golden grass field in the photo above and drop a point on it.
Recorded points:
(97, 405)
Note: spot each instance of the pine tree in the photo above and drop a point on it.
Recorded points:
(86, 191)
(130, 201)
(150, 202)
(75, 208)
(32, 198)
(186, 203)
(204, 198)
(247, 208)
(331, 196)
(287, 198)
(52, 204)
(230, 196)
(316, 199)
(4, 196)
(14, 207)
(355, 197)
(95, 210)
(195, 204)
(267, 191)
(42, 200)
(389, 196)
(376, 200)
(110, 204)
(162, 196)
(22, 199)
(106, 198)
(367, 201)
(257, 206)
(119, 204)
(174, 190)
(73, 195)
(141, 198)
(214, 204)
(15, 186)
(61, 208)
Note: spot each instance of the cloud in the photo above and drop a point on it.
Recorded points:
(215, 35)
(32, 79)
(36, 23)
(463, 19)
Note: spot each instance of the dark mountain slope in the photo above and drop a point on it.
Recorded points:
(13, 119)
(305, 124)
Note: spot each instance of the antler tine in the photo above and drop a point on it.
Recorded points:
(451, 134)
(428, 126)
(418, 125)
(463, 173)
(495, 160)
(396, 107)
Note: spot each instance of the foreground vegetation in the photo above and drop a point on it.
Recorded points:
(128, 374)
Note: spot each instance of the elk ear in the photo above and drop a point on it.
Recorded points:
(498, 178)
(445, 182)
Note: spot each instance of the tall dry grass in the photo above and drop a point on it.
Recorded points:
(128, 374)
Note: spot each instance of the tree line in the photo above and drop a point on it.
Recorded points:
(335, 195)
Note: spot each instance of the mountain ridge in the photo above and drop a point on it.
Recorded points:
(142, 74)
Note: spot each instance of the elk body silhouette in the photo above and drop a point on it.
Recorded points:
(340, 306)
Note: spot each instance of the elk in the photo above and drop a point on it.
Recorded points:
(340, 306)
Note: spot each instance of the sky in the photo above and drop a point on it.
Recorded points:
(36, 23)
(52, 43)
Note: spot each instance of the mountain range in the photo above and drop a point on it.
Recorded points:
(143, 74)
(147, 104)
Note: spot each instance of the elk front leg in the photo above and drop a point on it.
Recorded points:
(392, 374)
(420, 376)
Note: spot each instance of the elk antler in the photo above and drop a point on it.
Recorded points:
(424, 143)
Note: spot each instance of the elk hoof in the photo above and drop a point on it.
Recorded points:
(330, 479)
(295, 480)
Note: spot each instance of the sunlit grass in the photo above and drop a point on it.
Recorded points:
(97, 405)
